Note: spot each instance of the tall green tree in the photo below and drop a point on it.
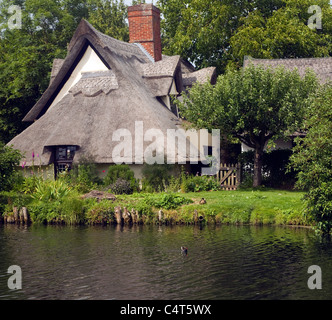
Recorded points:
(254, 105)
(312, 158)
(200, 30)
(109, 17)
(284, 34)
(220, 33)
(9, 159)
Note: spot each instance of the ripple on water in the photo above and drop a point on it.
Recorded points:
(230, 262)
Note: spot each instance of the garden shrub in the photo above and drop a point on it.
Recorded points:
(29, 184)
(121, 186)
(83, 176)
(45, 212)
(9, 159)
(174, 184)
(10, 199)
(156, 177)
(72, 210)
(99, 212)
(124, 173)
(49, 190)
(312, 160)
(167, 201)
(199, 183)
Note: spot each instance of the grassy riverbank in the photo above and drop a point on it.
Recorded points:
(222, 207)
(246, 207)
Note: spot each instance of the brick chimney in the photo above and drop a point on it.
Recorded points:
(144, 28)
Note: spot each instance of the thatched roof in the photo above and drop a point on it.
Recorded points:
(203, 75)
(102, 102)
(321, 66)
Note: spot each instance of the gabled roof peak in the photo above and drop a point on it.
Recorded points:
(83, 28)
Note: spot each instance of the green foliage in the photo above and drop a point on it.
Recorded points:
(29, 184)
(10, 199)
(220, 33)
(44, 212)
(83, 176)
(69, 211)
(192, 183)
(200, 30)
(99, 212)
(109, 17)
(156, 177)
(9, 159)
(121, 186)
(254, 105)
(55, 201)
(27, 54)
(115, 176)
(51, 190)
(275, 168)
(312, 160)
(283, 34)
(166, 201)
(72, 210)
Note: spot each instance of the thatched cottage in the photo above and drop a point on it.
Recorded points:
(105, 85)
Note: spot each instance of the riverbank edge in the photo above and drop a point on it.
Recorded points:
(219, 208)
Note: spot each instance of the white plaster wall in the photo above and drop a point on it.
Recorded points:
(90, 62)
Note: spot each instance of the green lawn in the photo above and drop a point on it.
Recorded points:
(247, 207)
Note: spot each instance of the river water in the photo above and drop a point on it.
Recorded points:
(145, 262)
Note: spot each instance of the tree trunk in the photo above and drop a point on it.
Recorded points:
(258, 161)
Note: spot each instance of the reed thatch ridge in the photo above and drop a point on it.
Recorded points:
(322, 67)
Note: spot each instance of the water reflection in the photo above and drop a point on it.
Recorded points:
(146, 262)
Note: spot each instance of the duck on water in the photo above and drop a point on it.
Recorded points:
(184, 250)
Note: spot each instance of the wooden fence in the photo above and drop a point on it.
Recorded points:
(229, 176)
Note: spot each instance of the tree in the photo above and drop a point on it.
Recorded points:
(312, 158)
(254, 105)
(284, 34)
(27, 54)
(220, 33)
(9, 159)
(200, 30)
(109, 17)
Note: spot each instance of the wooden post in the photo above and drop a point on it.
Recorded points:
(195, 216)
(127, 216)
(118, 215)
(21, 215)
(160, 216)
(238, 174)
(25, 215)
(138, 219)
(15, 210)
(133, 216)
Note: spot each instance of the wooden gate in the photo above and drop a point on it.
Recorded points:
(229, 176)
